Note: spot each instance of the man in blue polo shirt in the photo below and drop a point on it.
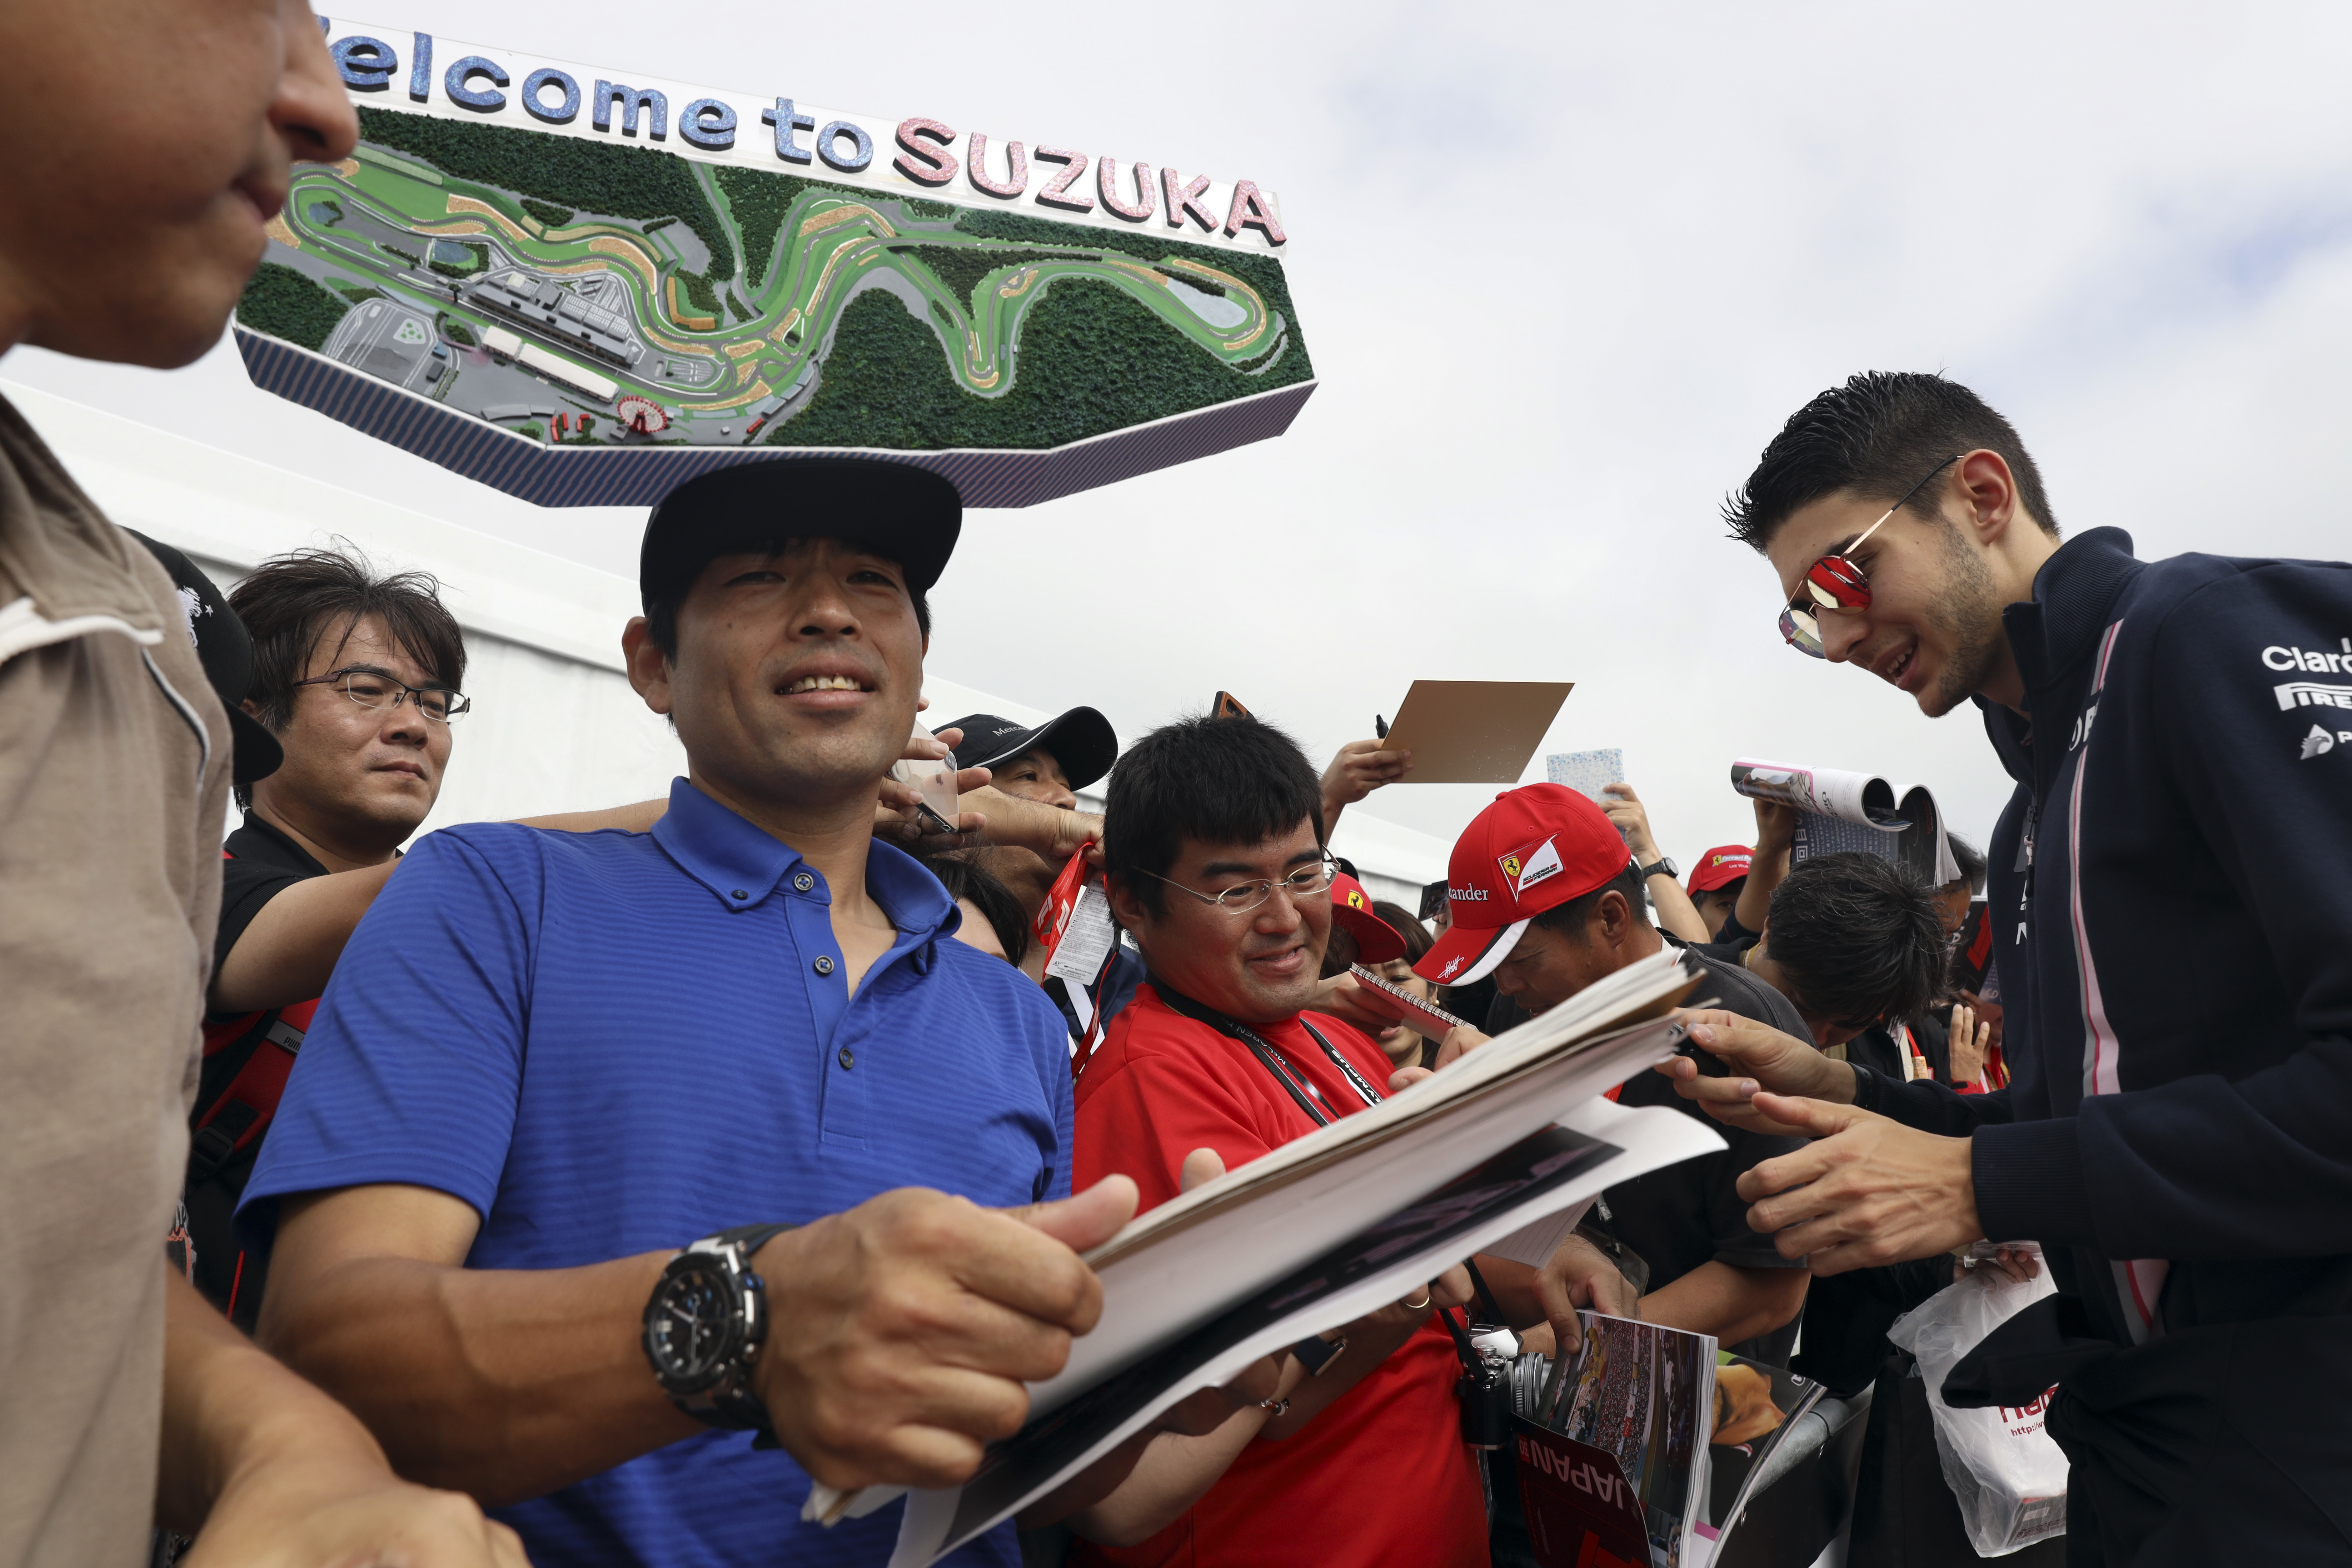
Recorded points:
(566, 1090)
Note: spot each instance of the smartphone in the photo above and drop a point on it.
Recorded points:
(936, 812)
(1425, 1019)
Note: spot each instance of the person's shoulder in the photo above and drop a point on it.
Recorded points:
(992, 981)
(1736, 991)
(1148, 1036)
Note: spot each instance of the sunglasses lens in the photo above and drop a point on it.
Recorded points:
(1804, 633)
(1836, 584)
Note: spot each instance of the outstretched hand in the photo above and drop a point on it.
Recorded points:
(1579, 1275)
(1760, 1059)
(1868, 1190)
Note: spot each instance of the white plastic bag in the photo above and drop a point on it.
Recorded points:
(2007, 1474)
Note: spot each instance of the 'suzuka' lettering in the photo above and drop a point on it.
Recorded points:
(1016, 161)
(925, 164)
(1184, 200)
(1107, 179)
(1250, 211)
(1056, 191)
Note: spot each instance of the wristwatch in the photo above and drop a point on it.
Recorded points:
(705, 1323)
(1315, 1353)
(1663, 866)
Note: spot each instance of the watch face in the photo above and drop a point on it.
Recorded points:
(690, 1326)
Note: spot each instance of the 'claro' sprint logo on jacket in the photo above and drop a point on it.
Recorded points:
(2293, 694)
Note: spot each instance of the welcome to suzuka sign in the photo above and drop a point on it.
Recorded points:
(582, 288)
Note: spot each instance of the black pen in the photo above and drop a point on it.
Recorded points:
(1379, 728)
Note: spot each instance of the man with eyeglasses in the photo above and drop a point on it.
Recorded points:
(2174, 1134)
(1215, 862)
(356, 678)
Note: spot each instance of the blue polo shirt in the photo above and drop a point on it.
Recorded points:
(615, 1043)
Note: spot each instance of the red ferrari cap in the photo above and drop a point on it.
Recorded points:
(1377, 942)
(1719, 867)
(1535, 848)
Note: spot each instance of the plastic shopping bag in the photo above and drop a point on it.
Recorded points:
(2007, 1474)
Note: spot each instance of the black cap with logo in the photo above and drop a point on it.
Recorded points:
(1081, 741)
(909, 514)
(226, 650)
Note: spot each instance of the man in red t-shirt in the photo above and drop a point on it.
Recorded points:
(1216, 863)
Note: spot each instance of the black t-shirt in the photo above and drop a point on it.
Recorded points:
(1688, 1214)
(262, 863)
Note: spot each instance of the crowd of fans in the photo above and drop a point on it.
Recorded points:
(638, 1186)
(468, 1126)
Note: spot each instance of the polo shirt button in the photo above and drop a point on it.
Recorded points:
(804, 882)
(848, 1058)
(741, 894)
(824, 963)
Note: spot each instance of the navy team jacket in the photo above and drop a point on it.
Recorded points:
(2171, 886)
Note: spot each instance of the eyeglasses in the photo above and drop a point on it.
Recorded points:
(1242, 896)
(1836, 583)
(374, 688)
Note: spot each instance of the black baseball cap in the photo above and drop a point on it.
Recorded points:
(909, 514)
(226, 650)
(1081, 740)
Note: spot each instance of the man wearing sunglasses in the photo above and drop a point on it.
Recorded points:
(2174, 1135)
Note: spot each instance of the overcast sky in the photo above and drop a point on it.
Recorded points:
(1563, 271)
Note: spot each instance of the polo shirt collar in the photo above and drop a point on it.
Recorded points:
(731, 856)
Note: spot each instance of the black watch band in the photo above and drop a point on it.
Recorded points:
(1663, 866)
(719, 1393)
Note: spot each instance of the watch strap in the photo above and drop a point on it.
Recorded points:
(1315, 1353)
(1663, 866)
(732, 1405)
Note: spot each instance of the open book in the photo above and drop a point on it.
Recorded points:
(1497, 1153)
(1837, 811)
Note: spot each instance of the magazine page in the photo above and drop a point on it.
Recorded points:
(1840, 812)
(1596, 1147)
(1756, 1405)
(1637, 1397)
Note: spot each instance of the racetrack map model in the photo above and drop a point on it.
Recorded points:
(734, 307)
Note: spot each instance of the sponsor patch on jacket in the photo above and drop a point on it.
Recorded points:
(2311, 694)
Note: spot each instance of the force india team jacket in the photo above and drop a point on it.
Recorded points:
(2171, 886)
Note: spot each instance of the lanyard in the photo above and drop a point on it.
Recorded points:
(1291, 1079)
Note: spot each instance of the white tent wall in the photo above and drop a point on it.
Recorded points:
(556, 726)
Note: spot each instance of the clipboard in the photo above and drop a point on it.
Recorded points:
(1474, 732)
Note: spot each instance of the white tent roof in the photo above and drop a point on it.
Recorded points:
(557, 727)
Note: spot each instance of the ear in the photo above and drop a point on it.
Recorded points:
(1131, 912)
(1983, 485)
(1614, 916)
(649, 670)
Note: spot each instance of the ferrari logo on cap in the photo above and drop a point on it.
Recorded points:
(1453, 965)
(1525, 867)
(1354, 900)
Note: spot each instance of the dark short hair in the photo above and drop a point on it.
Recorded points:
(1970, 859)
(1417, 940)
(1220, 781)
(1859, 938)
(1877, 436)
(663, 604)
(1573, 920)
(292, 603)
(962, 879)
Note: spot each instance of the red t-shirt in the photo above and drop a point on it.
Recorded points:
(1382, 1477)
